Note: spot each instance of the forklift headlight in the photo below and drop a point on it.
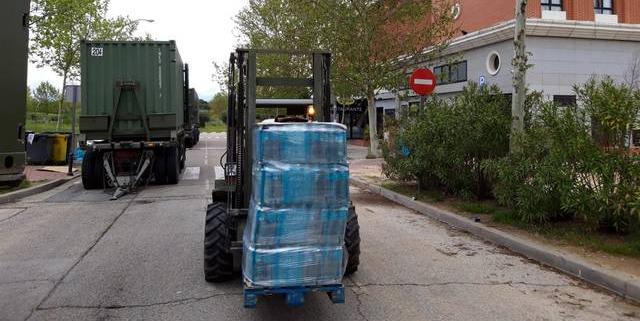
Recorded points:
(311, 111)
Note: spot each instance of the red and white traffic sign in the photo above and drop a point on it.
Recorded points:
(423, 82)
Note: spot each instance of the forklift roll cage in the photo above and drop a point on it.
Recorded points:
(226, 217)
(235, 189)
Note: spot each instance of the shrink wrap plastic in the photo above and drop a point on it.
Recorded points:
(299, 206)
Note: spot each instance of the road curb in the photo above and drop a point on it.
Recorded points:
(624, 286)
(20, 194)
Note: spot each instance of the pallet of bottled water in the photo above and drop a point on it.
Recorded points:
(300, 201)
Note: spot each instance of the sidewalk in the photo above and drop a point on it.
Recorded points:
(36, 174)
(370, 171)
(357, 152)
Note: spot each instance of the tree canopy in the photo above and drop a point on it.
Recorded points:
(59, 26)
(373, 42)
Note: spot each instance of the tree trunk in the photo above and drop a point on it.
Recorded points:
(373, 126)
(520, 65)
(64, 84)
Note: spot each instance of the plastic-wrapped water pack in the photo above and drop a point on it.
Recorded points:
(299, 207)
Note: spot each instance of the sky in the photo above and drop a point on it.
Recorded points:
(202, 29)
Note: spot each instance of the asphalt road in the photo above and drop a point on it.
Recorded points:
(71, 254)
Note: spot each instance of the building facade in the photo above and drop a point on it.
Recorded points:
(570, 41)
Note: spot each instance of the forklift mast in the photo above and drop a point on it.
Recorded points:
(243, 103)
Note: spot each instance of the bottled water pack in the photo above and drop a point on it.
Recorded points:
(299, 206)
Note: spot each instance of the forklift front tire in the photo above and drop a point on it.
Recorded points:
(218, 259)
(352, 242)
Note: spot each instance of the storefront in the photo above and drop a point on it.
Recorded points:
(356, 118)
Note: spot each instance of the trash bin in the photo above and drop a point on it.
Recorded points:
(60, 144)
(47, 148)
(39, 149)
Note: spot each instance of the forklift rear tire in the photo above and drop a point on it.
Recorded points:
(92, 171)
(218, 260)
(352, 242)
(172, 163)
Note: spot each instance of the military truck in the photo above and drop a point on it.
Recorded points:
(14, 36)
(191, 120)
(132, 118)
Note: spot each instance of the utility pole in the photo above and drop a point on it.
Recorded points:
(520, 66)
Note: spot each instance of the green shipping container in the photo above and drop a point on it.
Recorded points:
(14, 37)
(132, 91)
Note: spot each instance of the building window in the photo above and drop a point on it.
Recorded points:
(452, 73)
(565, 100)
(391, 113)
(494, 63)
(551, 5)
(603, 6)
(456, 11)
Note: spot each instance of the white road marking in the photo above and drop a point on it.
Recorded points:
(191, 174)
(206, 152)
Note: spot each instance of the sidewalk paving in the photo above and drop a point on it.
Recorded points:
(36, 174)
(370, 171)
(357, 152)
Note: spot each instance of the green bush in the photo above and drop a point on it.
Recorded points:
(204, 118)
(613, 110)
(559, 171)
(443, 146)
(533, 178)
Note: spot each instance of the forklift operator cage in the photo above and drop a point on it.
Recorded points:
(242, 105)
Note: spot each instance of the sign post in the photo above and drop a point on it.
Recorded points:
(423, 82)
(72, 94)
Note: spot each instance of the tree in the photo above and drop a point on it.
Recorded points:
(59, 26)
(374, 42)
(520, 66)
(45, 97)
(221, 75)
(218, 106)
(632, 75)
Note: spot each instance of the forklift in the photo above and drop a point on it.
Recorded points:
(226, 216)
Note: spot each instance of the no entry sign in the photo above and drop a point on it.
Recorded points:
(423, 82)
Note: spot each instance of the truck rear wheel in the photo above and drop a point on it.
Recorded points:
(218, 259)
(352, 242)
(183, 158)
(172, 164)
(92, 170)
(188, 142)
(159, 169)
